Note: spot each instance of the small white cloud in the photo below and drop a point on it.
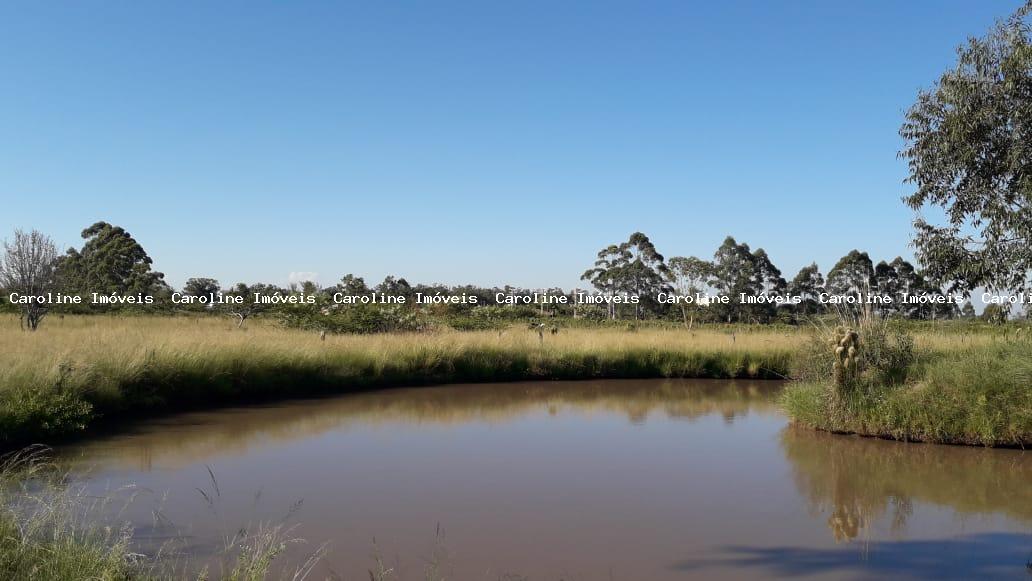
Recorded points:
(300, 277)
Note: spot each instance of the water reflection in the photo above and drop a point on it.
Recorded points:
(201, 436)
(635, 479)
(856, 480)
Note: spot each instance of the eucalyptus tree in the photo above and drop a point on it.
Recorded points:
(644, 276)
(897, 280)
(630, 269)
(27, 268)
(768, 282)
(969, 151)
(853, 274)
(734, 274)
(606, 273)
(688, 276)
(808, 284)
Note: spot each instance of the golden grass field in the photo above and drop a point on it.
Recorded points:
(80, 371)
(77, 369)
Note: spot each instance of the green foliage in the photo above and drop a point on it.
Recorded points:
(853, 274)
(967, 145)
(808, 285)
(111, 262)
(976, 395)
(736, 270)
(631, 268)
(40, 413)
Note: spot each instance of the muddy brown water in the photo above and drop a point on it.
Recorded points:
(616, 479)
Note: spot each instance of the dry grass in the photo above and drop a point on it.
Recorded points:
(58, 379)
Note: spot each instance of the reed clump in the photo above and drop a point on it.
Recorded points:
(874, 381)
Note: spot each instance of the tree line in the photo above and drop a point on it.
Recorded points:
(636, 268)
(112, 262)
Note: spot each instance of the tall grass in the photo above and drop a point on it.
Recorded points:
(50, 532)
(52, 529)
(78, 372)
(969, 389)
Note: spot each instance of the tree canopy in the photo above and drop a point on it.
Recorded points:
(969, 150)
(111, 261)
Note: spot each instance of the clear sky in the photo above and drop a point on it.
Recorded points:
(483, 142)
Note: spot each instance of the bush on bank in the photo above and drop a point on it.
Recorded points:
(978, 394)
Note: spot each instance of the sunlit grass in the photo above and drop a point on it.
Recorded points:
(977, 393)
(60, 378)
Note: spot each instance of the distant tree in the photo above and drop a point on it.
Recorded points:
(352, 285)
(688, 276)
(248, 305)
(605, 275)
(895, 280)
(996, 314)
(110, 262)
(644, 275)
(968, 310)
(808, 285)
(968, 149)
(631, 268)
(767, 281)
(199, 287)
(853, 274)
(395, 286)
(734, 273)
(27, 268)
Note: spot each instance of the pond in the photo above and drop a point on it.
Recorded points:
(615, 479)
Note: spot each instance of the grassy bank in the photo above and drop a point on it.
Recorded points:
(80, 372)
(971, 392)
(51, 530)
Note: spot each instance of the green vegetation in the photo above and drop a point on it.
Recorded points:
(53, 531)
(967, 149)
(86, 371)
(967, 394)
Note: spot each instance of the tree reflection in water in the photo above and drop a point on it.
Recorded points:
(858, 480)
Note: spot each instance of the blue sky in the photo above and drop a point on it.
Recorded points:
(483, 142)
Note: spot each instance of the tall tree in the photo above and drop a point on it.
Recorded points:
(111, 262)
(767, 281)
(27, 268)
(633, 268)
(605, 274)
(688, 276)
(734, 274)
(896, 279)
(645, 273)
(969, 150)
(808, 285)
(853, 274)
